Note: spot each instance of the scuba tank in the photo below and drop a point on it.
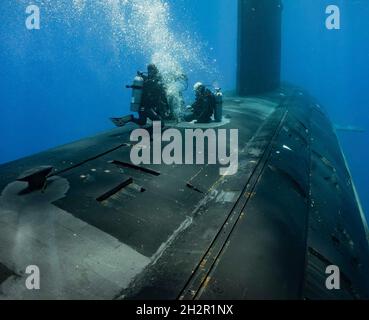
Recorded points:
(218, 108)
(137, 88)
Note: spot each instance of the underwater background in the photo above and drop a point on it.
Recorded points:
(62, 83)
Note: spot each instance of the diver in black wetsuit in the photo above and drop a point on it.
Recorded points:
(154, 103)
(203, 108)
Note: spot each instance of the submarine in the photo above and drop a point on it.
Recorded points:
(99, 227)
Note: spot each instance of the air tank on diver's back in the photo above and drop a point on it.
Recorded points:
(137, 88)
(218, 111)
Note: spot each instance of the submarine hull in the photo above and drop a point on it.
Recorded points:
(104, 229)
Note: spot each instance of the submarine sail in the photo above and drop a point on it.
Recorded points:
(259, 46)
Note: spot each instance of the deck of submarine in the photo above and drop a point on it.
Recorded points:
(161, 235)
(88, 249)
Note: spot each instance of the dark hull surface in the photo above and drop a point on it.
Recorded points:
(185, 232)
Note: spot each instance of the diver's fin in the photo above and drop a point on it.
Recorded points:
(349, 128)
(121, 122)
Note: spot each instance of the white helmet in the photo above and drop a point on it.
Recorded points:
(197, 86)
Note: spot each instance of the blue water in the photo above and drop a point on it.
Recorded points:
(62, 82)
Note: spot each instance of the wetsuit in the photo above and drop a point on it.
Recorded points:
(203, 108)
(154, 101)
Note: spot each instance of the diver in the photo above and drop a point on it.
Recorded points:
(203, 108)
(149, 99)
(154, 95)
